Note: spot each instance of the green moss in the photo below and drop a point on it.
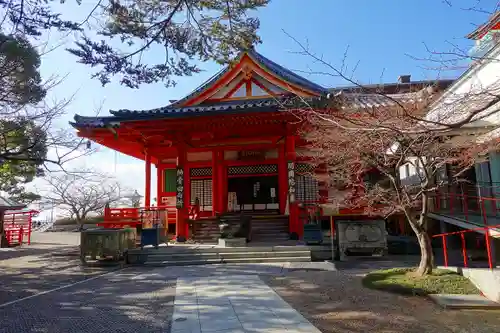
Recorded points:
(402, 281)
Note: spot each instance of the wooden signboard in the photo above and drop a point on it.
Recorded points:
(329, 210)
(180, 188)
(291, 181)
(252, 155)
(168, 201)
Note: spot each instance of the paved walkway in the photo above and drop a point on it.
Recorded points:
(237, 303)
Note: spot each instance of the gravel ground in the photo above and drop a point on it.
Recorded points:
(337, 302)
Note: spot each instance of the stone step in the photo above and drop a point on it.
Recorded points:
(227, 255)
(205, 236)
(227, 261)
(270, 226)
(271, 236)
(270, 230)
(280, 220)
(255, 235)
(167, 250)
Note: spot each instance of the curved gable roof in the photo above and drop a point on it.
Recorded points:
(275, 70)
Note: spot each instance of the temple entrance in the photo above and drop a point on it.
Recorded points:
(253, 193)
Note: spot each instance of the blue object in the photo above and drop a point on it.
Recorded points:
(150, 236)
(313, 234)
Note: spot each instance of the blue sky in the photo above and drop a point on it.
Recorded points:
(379, 33)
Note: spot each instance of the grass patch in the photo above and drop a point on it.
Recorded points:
(402, 281)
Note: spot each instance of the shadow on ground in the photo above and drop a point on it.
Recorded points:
(110, 303)
(135, 299)
(337, 302)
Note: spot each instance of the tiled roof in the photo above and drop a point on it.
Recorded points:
(365, 101)
(482, 29)
(287, 74)
(253, 105)
(349, 101)
(270, 65)
(7, 204)
(355, 99)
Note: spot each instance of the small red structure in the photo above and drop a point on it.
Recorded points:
(18, 226)
(7, 236)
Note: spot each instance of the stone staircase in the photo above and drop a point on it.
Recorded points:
(272, 228)
(183, 256)
(205, 230)
(265, 227)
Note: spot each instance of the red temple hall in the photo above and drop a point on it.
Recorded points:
(232, 145)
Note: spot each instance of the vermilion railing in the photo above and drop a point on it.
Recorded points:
(461, 233)
(121, 217)
(474, 204)
(470, 201)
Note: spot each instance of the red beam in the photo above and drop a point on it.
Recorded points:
(147, 195)
(232, 91)
(263, 87)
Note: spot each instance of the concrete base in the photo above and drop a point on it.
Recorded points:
(232, 242)
(486, 280)
(449, 301)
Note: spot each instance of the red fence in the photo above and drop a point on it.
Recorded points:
(486, 229)
(469, 200)
(18, 226)
(474, 204)
(132, 217)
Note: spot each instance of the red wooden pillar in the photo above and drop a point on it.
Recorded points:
(291, 156)
(282, 178)
(214, 183)
(181, 225)
(221, 175)
(187, 197)
(147, 194)
(159, 184)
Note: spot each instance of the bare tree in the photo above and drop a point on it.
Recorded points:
(365, 155)
(365, 144)
(81, 193)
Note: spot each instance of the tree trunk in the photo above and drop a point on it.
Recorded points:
(79, 220)
(426, 255)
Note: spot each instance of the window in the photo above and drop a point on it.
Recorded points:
(169, 180)
(202, 189)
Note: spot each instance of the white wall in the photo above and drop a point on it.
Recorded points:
(470, 92)
(408, 172)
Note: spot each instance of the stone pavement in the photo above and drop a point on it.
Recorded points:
(44, 289)
(114, 302)
(233, 304)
